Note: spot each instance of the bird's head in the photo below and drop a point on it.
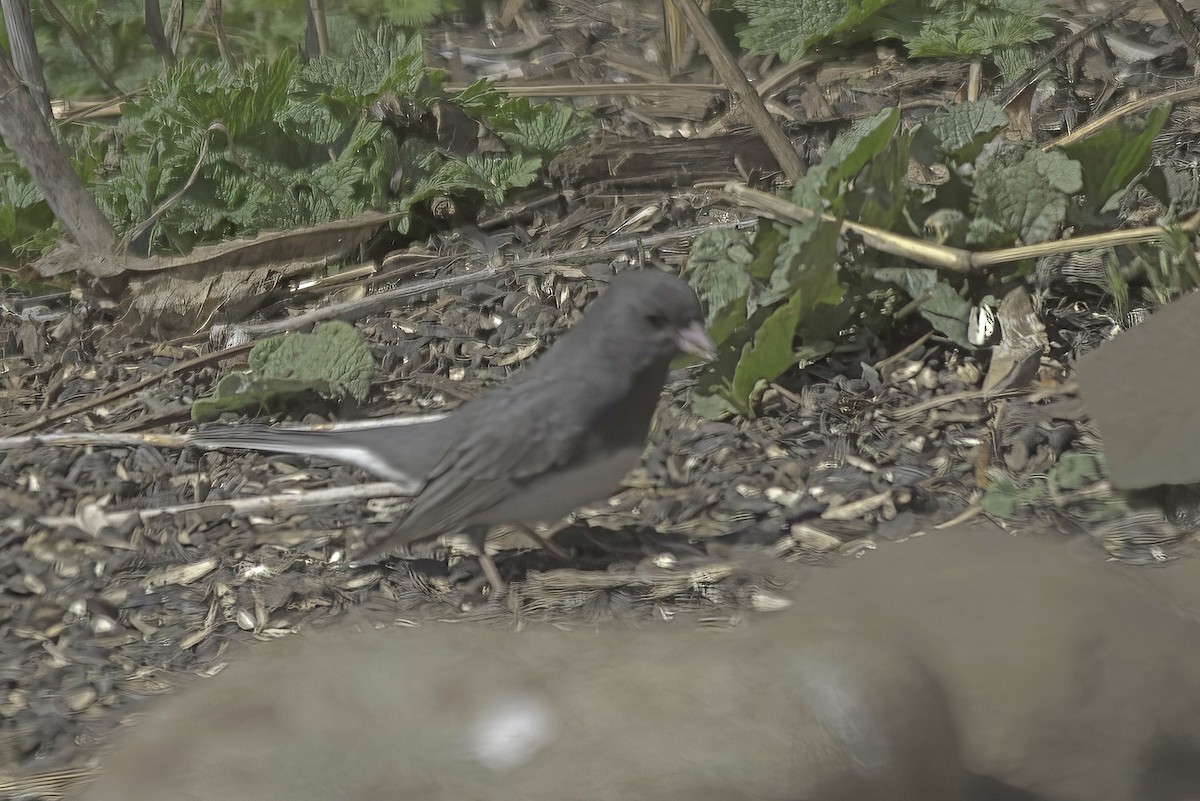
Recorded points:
(658, 309)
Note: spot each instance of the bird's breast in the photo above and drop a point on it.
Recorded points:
(553, 495)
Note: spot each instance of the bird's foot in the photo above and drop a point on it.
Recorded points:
(468, 582)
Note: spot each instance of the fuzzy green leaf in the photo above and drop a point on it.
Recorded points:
(334, 352)
(333, 361)
(1021, 196)
(958, 132)
(717, 271)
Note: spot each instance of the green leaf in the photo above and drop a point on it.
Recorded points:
(1116, 155)
(1013, 61)
(1075, 470)
(480, 99)
(806, 267)
(849, 153)
(299, 145)
(938, 303)
(759, 323)
(334, 352)
(243, 391)
(411, 13)
(1021, 196)
(767, 242)
(713, 406)
(1005, 497)
(378, 61)
(877, 195)
(770, 353)
(490, 176)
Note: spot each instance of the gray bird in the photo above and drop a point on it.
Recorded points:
(558, 435)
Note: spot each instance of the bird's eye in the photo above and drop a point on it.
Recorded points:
(658, 320)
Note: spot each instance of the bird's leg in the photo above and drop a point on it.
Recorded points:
(491, 574)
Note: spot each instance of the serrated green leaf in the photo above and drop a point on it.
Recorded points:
(1013, 61)
(790, 28)
(540, 129)
(27, 226)
(963, 28)
(333, 361)
(378, 61)
(1075, 470)
(302, 144)
(411, 13)
(491, 176)
(18, 193)
(337, 188)
(480, 99)
(809, 191)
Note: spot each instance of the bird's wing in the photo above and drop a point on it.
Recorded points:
(489, 463)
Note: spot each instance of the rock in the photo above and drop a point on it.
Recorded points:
(776, 709)
(1143, 391)
(967, 664)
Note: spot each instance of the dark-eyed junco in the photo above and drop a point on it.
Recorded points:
(559, 435)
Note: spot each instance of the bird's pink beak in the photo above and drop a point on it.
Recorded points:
(693, 339)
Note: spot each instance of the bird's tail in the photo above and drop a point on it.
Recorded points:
(380, 450)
